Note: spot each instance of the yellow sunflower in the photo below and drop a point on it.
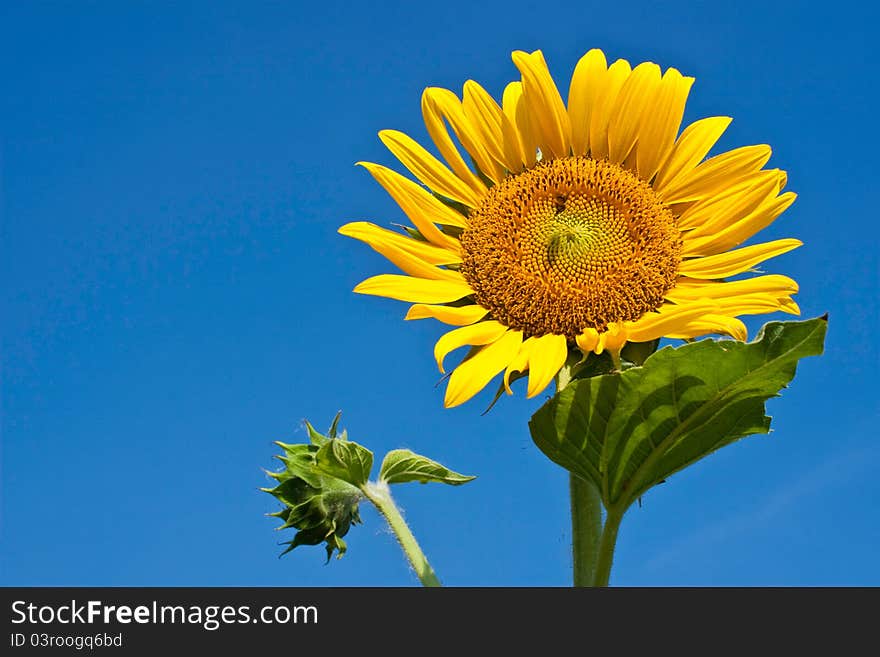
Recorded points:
(578, 226)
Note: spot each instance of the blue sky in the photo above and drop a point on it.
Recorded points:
(176, 297)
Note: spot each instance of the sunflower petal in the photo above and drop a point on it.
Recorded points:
(736, 262)
(544, 103)
(738, 232)
(513, 142)
(689, 289)
(419, 205)
(661, 122)
(716, 174)
(374, 235)
(439, 104)
(519, 363)
(720, 210)
(606, 98)
(586, 84)
(454, 315)
(691, 147)
(472, 375)
(613, 337)
(547, 356)
(476, 334)
(587, 340)
(714, 323)
(710, 216)
(488, 118)
(420, 290)
(516, 108)
(636, 98)
(757, 304)
(428, 168)
(668, 320)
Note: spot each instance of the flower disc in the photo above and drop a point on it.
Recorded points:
(570, 244)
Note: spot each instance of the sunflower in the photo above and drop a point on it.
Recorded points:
(576, 226)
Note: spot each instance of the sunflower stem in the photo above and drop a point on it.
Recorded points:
(586, 529)
(380, 496)
(605, 556)
(586, 507)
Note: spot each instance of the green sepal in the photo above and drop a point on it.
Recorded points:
(412, 232)
(317, 439)
(514, 376)
(401, 466)
(627, 431)
(637, 353)
(345, 460)
(593, 365)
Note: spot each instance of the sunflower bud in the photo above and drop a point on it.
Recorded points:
(320, 506)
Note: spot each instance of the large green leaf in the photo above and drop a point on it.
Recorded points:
(628, 431)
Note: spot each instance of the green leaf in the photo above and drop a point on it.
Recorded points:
(401, 466)
(629, 431)
(345, 460)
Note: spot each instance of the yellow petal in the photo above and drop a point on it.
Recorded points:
(547, 356)
(700, 213)
(420, 290)
(419, 205)
(687, 290)
(545, 105)
(735, 262)
(668, 320)
(586, 84)
(486, 116)
(716, 173)
(660, 123)
(454, 315)
(516, 108)
(712, 215)
(519, 363)
(757, 304)
(711, 324)
(613, 337)
(439, 104)
(738, 232)
(606, 98)
(588, 340)
(691, 147)
(428, 168)
(476, 334)
(635, 99)
(789, 306)
(374, 235)
(513, 148)
(472, 375)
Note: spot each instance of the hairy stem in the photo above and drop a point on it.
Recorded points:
(605, 555)
(586, 529)
(380, 496)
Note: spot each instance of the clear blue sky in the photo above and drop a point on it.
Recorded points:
(176, 297)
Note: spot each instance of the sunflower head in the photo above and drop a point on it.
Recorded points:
(575, 226)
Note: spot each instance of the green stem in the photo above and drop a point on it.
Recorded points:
(380, 496)
(586, 529)
(606, 548)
